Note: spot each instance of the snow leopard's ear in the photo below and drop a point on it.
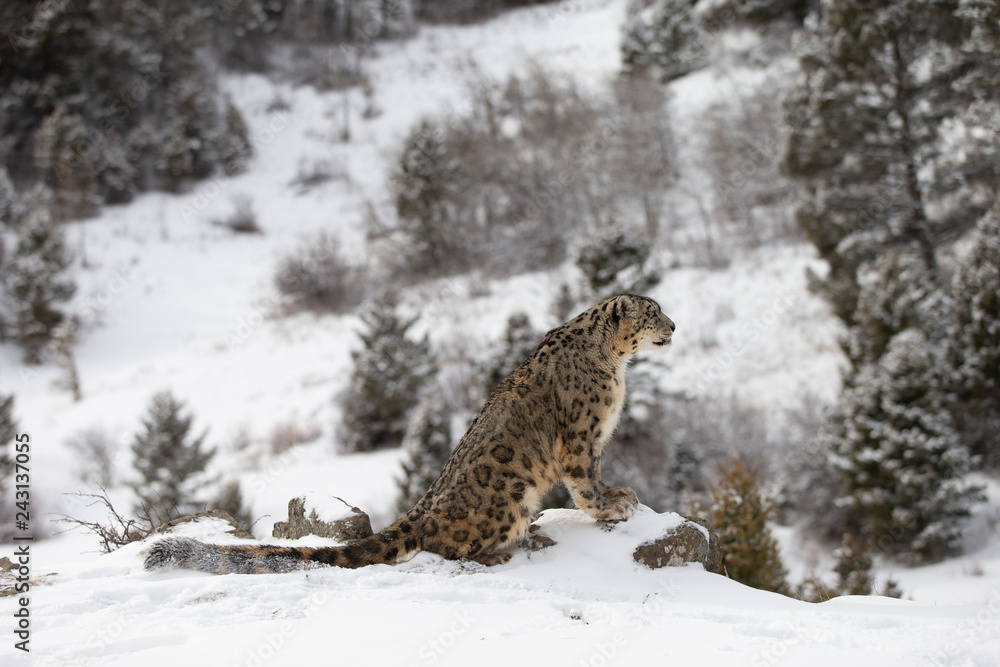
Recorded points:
(626, 307)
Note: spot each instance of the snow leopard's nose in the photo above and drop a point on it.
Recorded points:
(670, 323)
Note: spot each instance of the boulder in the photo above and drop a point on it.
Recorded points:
(693, 541)
(325, 516)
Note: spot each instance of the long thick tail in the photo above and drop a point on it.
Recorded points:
(183, 552)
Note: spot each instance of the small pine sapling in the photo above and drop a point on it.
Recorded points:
(390, 372)
(169, 461)
(740, 511)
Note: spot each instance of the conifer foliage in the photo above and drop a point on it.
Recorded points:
(881, 143)
(896, 449)
(975, 341)
(106, 99)
(390, 372)
(662, 36)
(33, 285)
(169, 459)
(428, 445)
(8, 429)
(518, 342)
(739, 513)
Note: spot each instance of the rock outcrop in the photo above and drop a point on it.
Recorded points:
(692, 541)
(325, 516)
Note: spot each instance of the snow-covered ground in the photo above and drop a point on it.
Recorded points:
(581, 602)
(171, 301)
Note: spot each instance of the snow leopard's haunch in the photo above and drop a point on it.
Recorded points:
(547, 421)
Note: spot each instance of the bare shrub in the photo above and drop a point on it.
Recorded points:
(326, 67)
(117, 530)
(243, 218)
(534, 161)
(286, 435)
(742, 155)
(667, 443)
(313, 174)
(317, 277)
(97, 453)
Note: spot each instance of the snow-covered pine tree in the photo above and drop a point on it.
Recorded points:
(422, 186)
(65, 161)
(662, 37)
(615, 262)
(869, 126)
(974, 342)
(11, 207)
(390, 372)
(428, 445)
(764, 11)
(518, 342)
(8, 429)
(968, 173)
(33, 284)
(894, 445)
(896, 292)
(108, 99)
(170, 462)
(853, 567)
(739, 513)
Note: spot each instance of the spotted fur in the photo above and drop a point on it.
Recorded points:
(549, 420)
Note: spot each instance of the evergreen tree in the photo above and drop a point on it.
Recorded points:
(517, 344)
(894, 445)
(8, 429)
(615, 263)
(390, 371)
(104, 99)
(63, 159)
(11, 207)
(33, 286)
(763, 11)
(428, 445)
(895, 293)
(739, 513)
(169, 461)
(853, 567)
(421, 185)
(230, 501)
(869, 132)
(975, 341)
(663, 36)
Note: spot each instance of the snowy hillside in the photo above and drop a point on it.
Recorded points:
(170, 300)
(581, 602)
